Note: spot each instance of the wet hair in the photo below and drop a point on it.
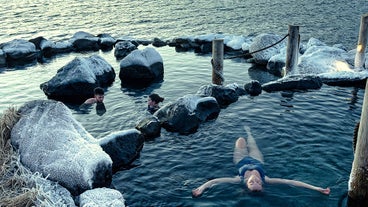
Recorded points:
(99, 91)
(156, 98)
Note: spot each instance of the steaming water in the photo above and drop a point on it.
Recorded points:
(306, 136)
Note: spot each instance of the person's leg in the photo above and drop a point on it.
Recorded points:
(252, 146)
(240, 150)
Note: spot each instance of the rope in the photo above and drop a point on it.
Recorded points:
(249, 53)
(216, 72)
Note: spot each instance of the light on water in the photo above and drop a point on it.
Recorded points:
(305, 135)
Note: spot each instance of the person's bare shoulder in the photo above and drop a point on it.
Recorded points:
(90, 101)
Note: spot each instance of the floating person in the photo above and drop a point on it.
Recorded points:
(98, 98)
(153, 102)
(249, 162)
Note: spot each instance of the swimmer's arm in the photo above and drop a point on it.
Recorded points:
(209, 184)
(296, 183)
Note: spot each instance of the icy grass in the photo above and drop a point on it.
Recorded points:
(18, 186)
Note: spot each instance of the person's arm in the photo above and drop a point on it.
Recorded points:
(209, 184)
(325, 191)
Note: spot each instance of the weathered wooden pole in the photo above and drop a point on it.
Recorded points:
(217, 61)
(362, 43)
(358, 181)
(292, 51)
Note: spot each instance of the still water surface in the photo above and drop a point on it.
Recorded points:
(305, 137)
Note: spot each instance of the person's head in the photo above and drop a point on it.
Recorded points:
(254, 183)
(154, 99)
(99, 94)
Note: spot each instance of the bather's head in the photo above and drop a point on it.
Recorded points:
(254, 183)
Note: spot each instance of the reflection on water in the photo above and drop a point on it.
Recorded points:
(100, 108)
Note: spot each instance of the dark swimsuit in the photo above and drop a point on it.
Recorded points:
(249, 163)
(152, 110)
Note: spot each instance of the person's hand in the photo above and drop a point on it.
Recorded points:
(197, 192)
(325, 191)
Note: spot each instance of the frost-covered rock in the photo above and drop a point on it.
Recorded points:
(277, 62)
(187, 113)
(262, 41)
(322, 59)
(141, 68)
(75, 81)
(294, 82)
(50, 193)
(101, 197)
(52, 142)
(122, 146)
(19, 51)
(345, 78)
(124, 48)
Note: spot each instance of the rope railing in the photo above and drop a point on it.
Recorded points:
(249, 53)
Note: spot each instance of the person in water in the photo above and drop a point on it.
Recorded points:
(99, 95)
(98, 98)
(249, 162)
(153, 102)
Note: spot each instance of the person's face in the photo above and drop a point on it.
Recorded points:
(150, 102)
(99, 97)
(254, 183)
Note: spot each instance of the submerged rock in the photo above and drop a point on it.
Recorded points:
(123, 147)
(150, 127)
(19, 52)
(297, 82)
(224, 95)
(187, 113)
(52, 142)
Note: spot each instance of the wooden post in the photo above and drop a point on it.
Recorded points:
(362, 43)
(358, 181)
(292, 51)
(217, 61)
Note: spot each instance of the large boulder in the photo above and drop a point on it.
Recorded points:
(141, 68)
(294, 82)
(52, 142)
(323, 59)
(74, 82)
(224, 95)
(187, 113)
(19, 52)
(123, 147)
(262, 41)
